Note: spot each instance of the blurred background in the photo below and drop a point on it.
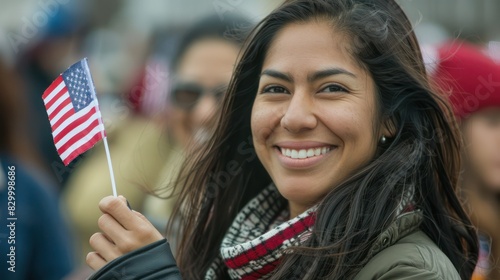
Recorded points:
(130, 45)
(129, 41)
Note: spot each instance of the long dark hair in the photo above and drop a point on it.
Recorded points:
(423, 155)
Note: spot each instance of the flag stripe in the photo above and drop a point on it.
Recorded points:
(74, 128)
(71, 119)
(49, 92)
(83, 148)
(55, 95)
(61, 106)
(62, 113)
(83, 140)
(62, 147)
(63, 97)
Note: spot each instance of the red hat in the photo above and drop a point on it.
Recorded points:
(469, 77)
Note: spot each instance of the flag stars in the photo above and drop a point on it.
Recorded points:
(78, 87)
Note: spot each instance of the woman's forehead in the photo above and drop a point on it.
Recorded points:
(311, 46)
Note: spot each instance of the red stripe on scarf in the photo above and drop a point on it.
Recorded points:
(270, 244)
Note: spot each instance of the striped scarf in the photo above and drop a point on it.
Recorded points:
(258, 237)
(260, 234)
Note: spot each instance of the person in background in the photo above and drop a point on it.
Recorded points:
(472, 81)
(201, 68)
(37, 244)
(328, 161)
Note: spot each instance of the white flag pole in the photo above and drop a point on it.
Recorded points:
(104, 138)
(110, 166)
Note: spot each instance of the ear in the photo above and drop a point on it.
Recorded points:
(388, 127)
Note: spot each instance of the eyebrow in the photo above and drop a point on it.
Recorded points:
(310, 78)
(328, 72)
(277, 74)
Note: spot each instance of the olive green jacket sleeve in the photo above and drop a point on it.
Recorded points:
(413, 257)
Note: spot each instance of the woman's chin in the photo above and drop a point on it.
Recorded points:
(301, 193)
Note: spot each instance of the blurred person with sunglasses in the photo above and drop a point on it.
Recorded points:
(202, 66)
(202, 69)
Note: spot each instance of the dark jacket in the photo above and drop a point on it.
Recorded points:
(35, 242)
(400, 252)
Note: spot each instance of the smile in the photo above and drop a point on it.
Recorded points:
(304, 153)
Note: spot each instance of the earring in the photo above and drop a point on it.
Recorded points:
(383, 140)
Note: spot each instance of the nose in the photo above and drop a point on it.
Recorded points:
(204, 110)
(299, 115)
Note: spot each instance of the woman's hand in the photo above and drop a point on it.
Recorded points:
(123, 230)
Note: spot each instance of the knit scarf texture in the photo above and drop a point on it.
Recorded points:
(259, 235)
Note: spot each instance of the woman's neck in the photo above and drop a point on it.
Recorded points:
(296, 209)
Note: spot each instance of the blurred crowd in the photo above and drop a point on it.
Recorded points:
(159, 81)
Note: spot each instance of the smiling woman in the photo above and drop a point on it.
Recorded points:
(353, 178)
(313, 115)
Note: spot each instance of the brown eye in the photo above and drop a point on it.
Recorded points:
(334, 88)
(274, 89)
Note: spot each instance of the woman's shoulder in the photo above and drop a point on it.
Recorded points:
(415, 256)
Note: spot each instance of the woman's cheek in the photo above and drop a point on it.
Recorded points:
(265, 119)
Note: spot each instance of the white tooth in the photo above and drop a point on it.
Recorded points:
(295, 154)
(288, 153)
(310, 153)
(302, 154)
(317, 151)
(323, 150)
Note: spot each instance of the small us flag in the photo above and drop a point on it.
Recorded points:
(73, 112)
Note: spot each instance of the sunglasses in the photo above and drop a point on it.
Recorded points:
(186, 95)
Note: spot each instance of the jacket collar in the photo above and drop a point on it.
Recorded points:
(405, 224)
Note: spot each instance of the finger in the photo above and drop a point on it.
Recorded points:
(155, 233)
(111, 228)
(95, 261)
(141, 216)
(104, 247)
(125, 200)
(118, 209)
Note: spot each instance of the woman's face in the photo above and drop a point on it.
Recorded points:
(207, 66)
(314, 116)
(481, 132)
